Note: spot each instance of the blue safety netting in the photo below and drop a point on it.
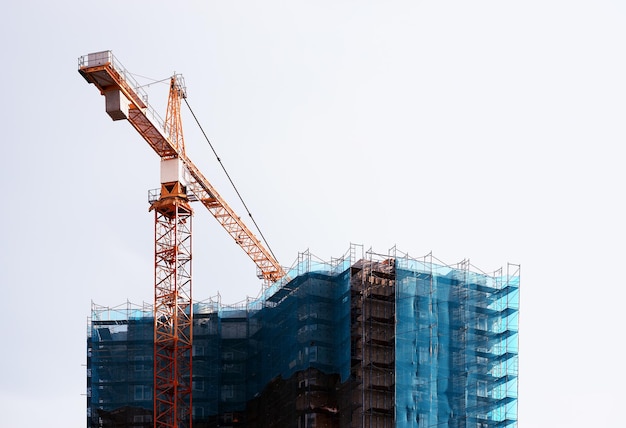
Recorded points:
(449, 358)
(456, 346)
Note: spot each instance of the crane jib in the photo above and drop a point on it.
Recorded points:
(125, 99)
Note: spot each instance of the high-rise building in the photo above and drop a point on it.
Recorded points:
(369, 341)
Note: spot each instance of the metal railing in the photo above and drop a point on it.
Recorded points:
(107, 57)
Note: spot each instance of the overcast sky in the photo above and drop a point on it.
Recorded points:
(488, 130)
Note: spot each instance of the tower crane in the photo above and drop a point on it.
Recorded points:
(181, 183)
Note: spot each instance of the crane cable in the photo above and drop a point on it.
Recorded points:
(229, 179)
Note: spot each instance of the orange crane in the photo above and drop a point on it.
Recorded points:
(181, 183)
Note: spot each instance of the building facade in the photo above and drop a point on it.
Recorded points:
(373, 341)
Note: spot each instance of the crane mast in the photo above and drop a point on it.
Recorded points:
(181, 183)
(173, 304)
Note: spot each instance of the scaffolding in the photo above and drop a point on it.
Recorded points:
(456, 345)
(365, 340)
(369, 398)
(119, 366)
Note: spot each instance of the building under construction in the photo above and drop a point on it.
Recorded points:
(361, 341)
(364, 340)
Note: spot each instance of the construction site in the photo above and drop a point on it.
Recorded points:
(363, 340)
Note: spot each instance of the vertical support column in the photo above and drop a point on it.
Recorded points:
(173, 312)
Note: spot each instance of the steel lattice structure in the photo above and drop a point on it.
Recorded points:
(173, 314)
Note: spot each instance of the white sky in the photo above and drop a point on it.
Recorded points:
(487, 130)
